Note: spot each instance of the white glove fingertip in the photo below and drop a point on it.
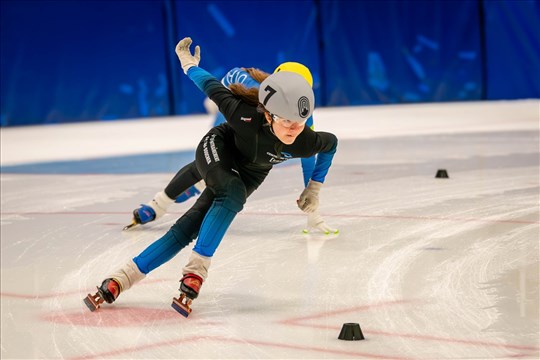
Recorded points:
(327, 229)
(182, 43)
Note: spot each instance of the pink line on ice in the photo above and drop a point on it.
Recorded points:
(68, 293)
(119, 316)
(353, 216)
(237, 341)
(298, 322)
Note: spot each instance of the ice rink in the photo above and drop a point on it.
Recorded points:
(430, 268)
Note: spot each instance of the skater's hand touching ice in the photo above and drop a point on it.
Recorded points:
(315, 221)
(309, 203)
(187, 60)
(309, 198)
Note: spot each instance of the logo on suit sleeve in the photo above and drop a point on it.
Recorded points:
(303, 106)
(276, 159)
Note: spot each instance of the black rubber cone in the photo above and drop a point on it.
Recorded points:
(442, 174)
(351, 331)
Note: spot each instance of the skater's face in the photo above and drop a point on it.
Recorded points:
(286, 130)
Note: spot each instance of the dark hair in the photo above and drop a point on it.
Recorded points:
(250, 95)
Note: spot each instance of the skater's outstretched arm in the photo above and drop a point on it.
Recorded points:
(309, 198)
(314, 219)
(206, 82)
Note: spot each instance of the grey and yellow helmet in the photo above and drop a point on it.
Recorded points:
(287, 95)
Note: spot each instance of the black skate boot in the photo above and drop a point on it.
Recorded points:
(108, 291)
(190, 284)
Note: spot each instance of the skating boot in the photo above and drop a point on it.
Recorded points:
(151, 211)
(142, 215)
(108, 291)
(190, 285)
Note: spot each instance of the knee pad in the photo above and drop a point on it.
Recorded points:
(228, 188)
(233, 194)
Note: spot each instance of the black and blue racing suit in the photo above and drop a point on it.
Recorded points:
(233, 158)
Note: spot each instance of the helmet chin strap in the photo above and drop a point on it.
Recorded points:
(272, 128)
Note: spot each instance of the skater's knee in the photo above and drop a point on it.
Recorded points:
(233, 195)
(228, 188)
(179, 233)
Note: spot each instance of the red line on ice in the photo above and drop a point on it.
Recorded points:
(68, 293)
(237, 341)
(298, 322)
(353, 216)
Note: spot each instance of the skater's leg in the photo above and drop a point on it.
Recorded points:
(195, 272)
(183, 180)
(127, 276)
(191, 192)
(230, 197)
(153, 210)
(217, 166)
(117, 282)
(161, 251)
(185, 184)
(198, 265)
(190, 284)
(179, 236)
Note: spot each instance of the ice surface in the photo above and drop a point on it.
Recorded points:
(430, 268)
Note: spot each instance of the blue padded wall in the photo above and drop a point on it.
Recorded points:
(401, 51)
(512, 31)
(259, 34)
(67, 61)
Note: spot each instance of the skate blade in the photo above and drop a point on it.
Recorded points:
(181, 307)
(127, 227)
(91, 302)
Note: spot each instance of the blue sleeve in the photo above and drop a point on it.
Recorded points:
(308, 164)
(239, 76)
(200, 77)
(226, 102)
(324, 157)
(309, 123)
